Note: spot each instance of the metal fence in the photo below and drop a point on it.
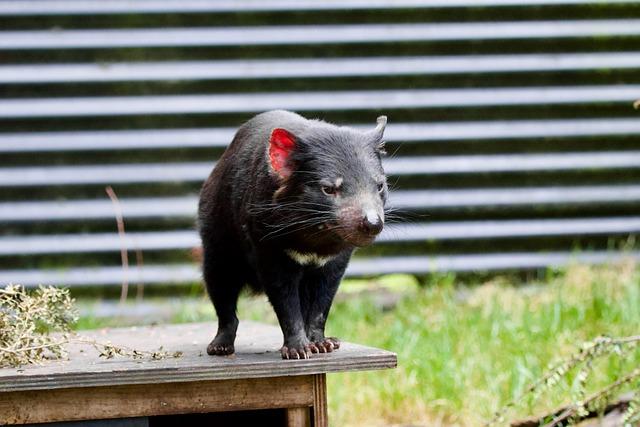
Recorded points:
(513, 138)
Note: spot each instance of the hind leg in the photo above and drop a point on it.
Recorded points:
(224, 283)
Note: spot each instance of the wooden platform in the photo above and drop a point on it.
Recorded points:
(87, 387)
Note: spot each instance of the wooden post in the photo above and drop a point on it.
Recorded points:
(320, 415)
(298, 417)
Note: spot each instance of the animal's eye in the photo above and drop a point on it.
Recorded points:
(381, 187)
(329, 190)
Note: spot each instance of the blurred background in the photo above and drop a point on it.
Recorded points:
(513, 156)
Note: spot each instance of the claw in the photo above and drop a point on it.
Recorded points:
(296, 353)
(335, 342)
(220, 349)
(327, 345)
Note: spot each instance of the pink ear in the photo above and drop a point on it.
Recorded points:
(281, 145)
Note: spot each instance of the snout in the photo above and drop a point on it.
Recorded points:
(371, 224)
(359, 226)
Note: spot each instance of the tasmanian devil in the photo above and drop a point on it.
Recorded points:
(282, 211)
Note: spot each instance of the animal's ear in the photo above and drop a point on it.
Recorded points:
(281, 145)
(376, 136)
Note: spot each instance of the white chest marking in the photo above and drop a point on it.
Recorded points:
(308, 258)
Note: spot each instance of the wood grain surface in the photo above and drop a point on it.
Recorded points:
(257, 356)
(37, 406)
(298, 417)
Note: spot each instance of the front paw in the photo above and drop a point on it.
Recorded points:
(220, 347)
(325, 345)
(302, 350)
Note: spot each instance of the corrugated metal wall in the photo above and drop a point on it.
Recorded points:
(511, 127)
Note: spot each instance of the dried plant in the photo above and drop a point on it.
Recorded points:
(109, 351)
(579, 367)
(27, 321)
(37, 325)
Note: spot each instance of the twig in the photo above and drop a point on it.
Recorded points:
(109, 350)
(534, 386)
(627, 340)
(106, 349)
(123, 243)
(32, 325)
(565, 366)
(36, 347)
(539, 421)
(570, 410)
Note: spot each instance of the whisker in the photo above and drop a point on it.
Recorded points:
(312, 219)
(390, 156)
(278, 232)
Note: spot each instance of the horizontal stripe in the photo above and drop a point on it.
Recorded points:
(185, 207)
(395, 132)
(452, 230)
(316, 101)
(189, 273)
(422, 165)
(76, 7)
(314, 68)
(314, 34)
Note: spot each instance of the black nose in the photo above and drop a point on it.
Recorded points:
(371, 224)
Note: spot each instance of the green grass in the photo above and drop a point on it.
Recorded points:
(466, 350)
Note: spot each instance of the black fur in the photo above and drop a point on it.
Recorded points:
(252, 219)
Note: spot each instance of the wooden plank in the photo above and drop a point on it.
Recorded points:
(314, 34)
(77, 7)
(185, 207)
(73, 404)
(401, 232)
(314, 68)
(298, 417)
(148, 139)
(320, 414)
(190, 273)
(418, 165)
(257, 356)
(316, 101)
(120, 422)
